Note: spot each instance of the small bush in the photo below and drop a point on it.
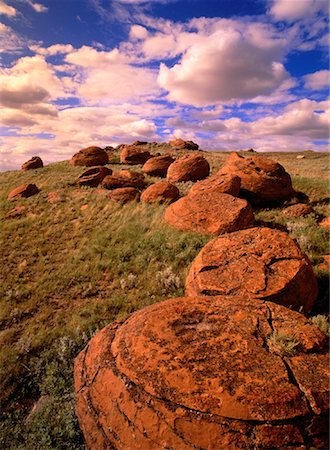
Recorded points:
(322, 322)
(282, 344)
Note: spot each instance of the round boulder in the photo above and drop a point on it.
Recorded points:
(222, 183)
(256, 263)
(157, 166)
(34, 163)
(124, 195)
(93, 177)
(188, 168)
(183, 145)
(133, 155)
(90, 156)
(160, 192)
(23, 191)
(202, 373)
(209, 213)
(262, 179)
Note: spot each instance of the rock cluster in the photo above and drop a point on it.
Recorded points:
(90, 156)
(183, 145)
(34, 163)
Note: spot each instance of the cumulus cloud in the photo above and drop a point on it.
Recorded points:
(56, 49)
(7, 10)
(290, 10)
(10, 42)
(317, 80)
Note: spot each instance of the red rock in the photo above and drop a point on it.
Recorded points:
(23, 191)
(325, 223)
(131, 174)
(90, 156)
(133, 155)
(298, 210)
(93, 177)
(256, 263)
(116, 181)
(188, 168)
(124, 195)
(160, 192)
(184, 145)
(157, 166)
(197, 373)
(223, 183)
(54, 197)
(16, 212)
(34, 163)
(324, 265)
(209, 213)
(262, 179)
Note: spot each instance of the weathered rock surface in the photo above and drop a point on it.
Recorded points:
(116, 181)
(133, 155)
(325, 223)
(256, 263)
(222, 183)
(160, 192)
(262, 179)
(188, 168)
(193, 373)
(124, 195)
(34, 163)
(23, 191)
(183, 145)
(90, 156)
(297, 210)
(157, 166)
(209, 213)
(93, 177)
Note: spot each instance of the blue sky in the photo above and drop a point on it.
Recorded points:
(227, 74)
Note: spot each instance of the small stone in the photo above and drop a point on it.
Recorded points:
(23, 191)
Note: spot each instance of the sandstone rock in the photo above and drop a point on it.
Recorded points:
(157, 166)
(324, 264)
(300, 156)
(124, 195)
(23, 191)
(34, 163)
(184, 145)
(297, 210)
(116, 181)
(160, 192)
(90, 156)
(54, 197)
(209, 213)
(222, 183)
(262, 179)
(133, 155)
(188, 168)
(93, 177)
(16, 212)
(193, 373)
(131, 174)
(256, 263)
(325, 223)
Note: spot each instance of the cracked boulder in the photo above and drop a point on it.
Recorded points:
(90, 156)
(93, 177)
(193, 373)
(263, 180)
(256, 263)
(188, 168)
(209, 212)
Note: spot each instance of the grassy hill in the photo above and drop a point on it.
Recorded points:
(69, 268)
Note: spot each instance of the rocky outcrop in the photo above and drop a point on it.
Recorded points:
(118, 181)
(23, 191)
(160, 192)
(297, 210)
(204, 373)
(124, 195)
(157, 166)
(34, 163)
(256, 263)
(222, 183)
(188, 168)
(209, 213)
(93, 177)
(263, 180)
(90, 156)
(134, 155)
(183, 145)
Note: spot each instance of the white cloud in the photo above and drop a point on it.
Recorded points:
(317, 80)
(10, 42)
(291, 10)
(138, 32)
(57, 49)
(38, 7)
(7, 10)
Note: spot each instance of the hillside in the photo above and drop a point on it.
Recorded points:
(70, 267)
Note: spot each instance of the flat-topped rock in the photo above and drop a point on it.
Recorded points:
(222, 183)
(93, 177)
(90, 156)
(209, 213)
(200, 373)
(188, 168)
(160, 192)
(34, 163)
(157, 166)
(255, 263)
(23, 191)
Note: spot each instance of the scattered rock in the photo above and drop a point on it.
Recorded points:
(324, 265)
(133, 155)
(124, 195)
(157, 166)
(188, 168)
(54, 197)
(300, 156)
(325, 223)
(84, 207)
(160, 192)
(297, 210)
(262, 179)
(16, 212)
(23, 191)
(34, 163)
(222, 183)
(210, 213)
(93, 177)
(256, 263)
(116, 181)
(183, 145)
(137, 143)
(90, 156)
(197, 373)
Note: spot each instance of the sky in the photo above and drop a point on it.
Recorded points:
(227, 74)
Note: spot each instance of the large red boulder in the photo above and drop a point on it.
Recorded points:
(160, 192)
(183, 145)
(134, 155)
(205, 373)
(90, 156)
(93, 177)
(23, 191)
(119, 180)
(256, 263)
(222, 183)
(157, 166)
(188, 168)
(124, 195)
(262, 179)
(34, 163)
(209, 213)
